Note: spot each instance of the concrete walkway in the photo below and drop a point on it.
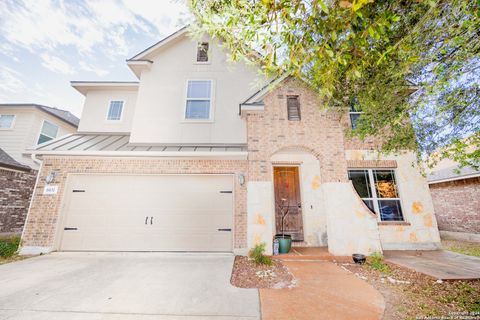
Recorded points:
(324, 291)
(439, 264)
(121, 286)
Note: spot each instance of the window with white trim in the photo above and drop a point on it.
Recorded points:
(115, 110)
(49, 131)
(6, 121)
(378, 190)
(199, 100)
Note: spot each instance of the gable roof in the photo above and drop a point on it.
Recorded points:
(8, 162)
(141, 56)
(63, 115)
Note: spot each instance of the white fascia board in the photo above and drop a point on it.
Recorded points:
(234, 155)
(84, 86)
(137, 66)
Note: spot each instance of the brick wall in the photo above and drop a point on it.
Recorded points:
(44, 213)
(457, 205)
(16, 189)
(319, 132)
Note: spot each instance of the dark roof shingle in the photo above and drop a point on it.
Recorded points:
(59, 113)
(9, 162)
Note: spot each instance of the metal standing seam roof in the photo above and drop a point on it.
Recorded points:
(110, 142)
(450, 174)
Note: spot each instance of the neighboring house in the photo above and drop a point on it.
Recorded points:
(23, 126)
(456, 198)
(197, 154)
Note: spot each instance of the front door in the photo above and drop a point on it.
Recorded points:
(287, 202)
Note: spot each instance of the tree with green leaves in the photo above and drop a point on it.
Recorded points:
(411, 67)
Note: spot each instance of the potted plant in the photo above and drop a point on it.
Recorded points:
(284, 240)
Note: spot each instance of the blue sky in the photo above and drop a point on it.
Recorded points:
(45, 44)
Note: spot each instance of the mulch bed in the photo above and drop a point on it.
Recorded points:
(412, 295)
(247, 274)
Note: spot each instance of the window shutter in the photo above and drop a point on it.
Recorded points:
(293, 108)
(202, 52)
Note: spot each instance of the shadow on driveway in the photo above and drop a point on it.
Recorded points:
(124, 286)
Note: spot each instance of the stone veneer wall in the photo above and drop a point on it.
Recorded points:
(16, 189)
(457, 205)
(40, 229)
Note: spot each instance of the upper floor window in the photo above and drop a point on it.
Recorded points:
(378, 190)
(354, 114)
(6, 121)
(202, 52)
(49, 131)
(293, 108)
(115, 110)
(199, 100)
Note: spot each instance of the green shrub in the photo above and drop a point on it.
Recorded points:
(8, 247)
(375, 261)
(257, 254)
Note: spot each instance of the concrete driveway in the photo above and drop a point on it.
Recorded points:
(122, 286)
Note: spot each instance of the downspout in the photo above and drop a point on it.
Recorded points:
(37, 161)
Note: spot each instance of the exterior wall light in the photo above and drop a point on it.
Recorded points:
(241, 179)
(51, 177)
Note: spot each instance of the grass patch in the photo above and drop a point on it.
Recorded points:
(8, 250)
(463, 247)
(9, 246)
(375, 261)
(469, 251)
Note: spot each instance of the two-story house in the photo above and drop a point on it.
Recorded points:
(23, 126)
(197, 156)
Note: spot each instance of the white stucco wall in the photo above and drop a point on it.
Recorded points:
(351, 227)
(95, 110)
(260, 214)
(159, 115)
(420, 230)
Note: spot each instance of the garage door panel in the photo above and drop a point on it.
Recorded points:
(187, 211)
(168, 201)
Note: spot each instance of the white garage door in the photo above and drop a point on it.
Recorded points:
(148, 213)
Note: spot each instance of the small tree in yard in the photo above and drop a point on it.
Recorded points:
(373, 54)
(258, 255)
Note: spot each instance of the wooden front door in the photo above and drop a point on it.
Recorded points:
(287, 198)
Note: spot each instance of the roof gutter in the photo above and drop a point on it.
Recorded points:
(240, 155)
(34, 159)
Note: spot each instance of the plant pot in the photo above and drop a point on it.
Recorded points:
(359, 258)
(284, 243)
